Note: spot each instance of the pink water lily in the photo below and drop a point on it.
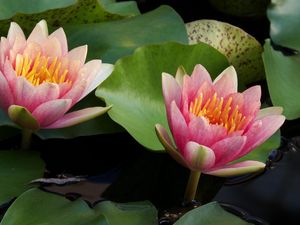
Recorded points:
(40, 79)
(212, 124)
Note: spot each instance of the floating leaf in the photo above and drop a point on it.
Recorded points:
(36, 207)
(17, 169)
(134, 88)
(283, 80)
(112, 40)
(129, 8)
(242, 50)
(285, 21)
(83, 12)
(210, 214)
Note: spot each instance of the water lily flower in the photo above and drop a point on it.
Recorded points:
(212, 124)
(40, 79)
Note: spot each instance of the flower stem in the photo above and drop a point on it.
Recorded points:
(26, 139)
(192, 185)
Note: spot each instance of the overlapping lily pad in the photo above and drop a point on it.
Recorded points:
(17, 169)
(283, 79)
(36, 207)
(242, 50)
(134, 88)
(285, 21)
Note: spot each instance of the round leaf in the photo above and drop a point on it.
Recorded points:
(210, 214)
(36, 207)
(285, 21)
(17, 169)
(241, 49)
(283, 80)
(134, 88)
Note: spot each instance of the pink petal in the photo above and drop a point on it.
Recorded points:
(165, 140)
(32, 49)
(14, 32)
(52, 47)
(80, 116)
(204, 133)
(228, 149)
(78, 53)
(60, 35)
(4, 51)
(198, 157)
(179, 75)
(237, 169)
(192, 84)
(39, 34)
(260, 131)
(76, 91)
(23, 92)
(171, 91)
(43, 93)
(226, 83)
(275, 110)
(9, 74)
(102, 73)
(251, 100)
(49, 112)
(178, 127)
(6, 96)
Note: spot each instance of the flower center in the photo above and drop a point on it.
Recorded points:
(41, 69)
(219, 112)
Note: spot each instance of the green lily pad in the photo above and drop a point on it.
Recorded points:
(210, 214)
(17, 169)
(129, 8)
(113, 40)
(241, 49)
(285, 21)
(134, 87)
(36, 207)
(82, 12)
(283, 80)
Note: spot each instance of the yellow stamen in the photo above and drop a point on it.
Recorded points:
(38, 70)
(220, 112)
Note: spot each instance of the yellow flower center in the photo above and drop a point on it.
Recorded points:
(41, 69)
(219, 112)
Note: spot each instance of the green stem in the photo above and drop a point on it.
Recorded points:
(26, 139)
(192, 185)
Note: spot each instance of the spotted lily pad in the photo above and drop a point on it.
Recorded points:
(241, 49)
(82, 12)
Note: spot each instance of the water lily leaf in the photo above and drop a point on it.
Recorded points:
(82, 12)
(134, 87)
(285, 20)
(17, 169)
(282, 73)
(57, 210)
(210, 214)
(129, 8)
(241, 8)
(262, 152)
(112, 40)
(242, 50)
